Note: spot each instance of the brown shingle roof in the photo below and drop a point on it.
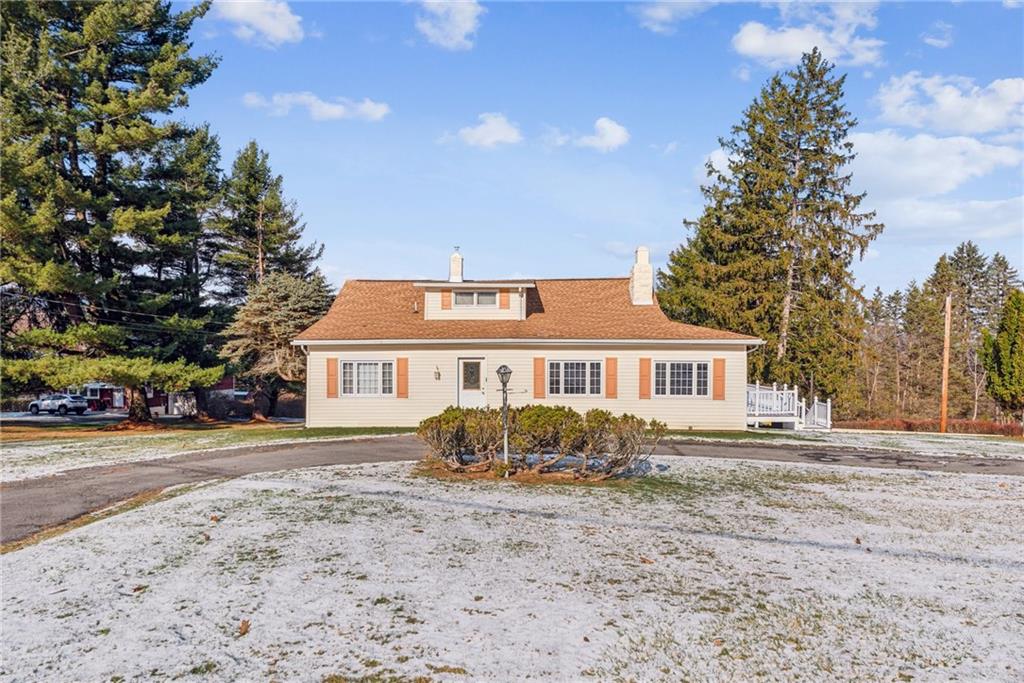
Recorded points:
(556, 309)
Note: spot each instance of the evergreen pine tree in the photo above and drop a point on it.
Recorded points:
(1003, 355)
(1000, 280)
(88, 93)
(772, 253)
(259, 344)
(260, 230)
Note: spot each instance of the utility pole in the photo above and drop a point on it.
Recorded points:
(945, 366)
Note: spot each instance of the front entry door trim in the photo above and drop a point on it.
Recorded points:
(472, 382)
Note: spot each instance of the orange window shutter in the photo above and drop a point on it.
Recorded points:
(446, 299)
(402, 377)
(332, 378)
(503, 301)
(718, 379)
(645, 378)
(538, 378)
(611, 377)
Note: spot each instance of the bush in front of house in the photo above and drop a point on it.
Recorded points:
(543, 440)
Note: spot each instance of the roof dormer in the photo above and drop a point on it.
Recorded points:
(461, 299)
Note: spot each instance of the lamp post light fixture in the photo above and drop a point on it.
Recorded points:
(504, 373)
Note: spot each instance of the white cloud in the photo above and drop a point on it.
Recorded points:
(891, 166)
(1012, 4)
(668, 148)
(832, 29)
(267, 22)
(940, 35)
(281, 103)
(906, 176)
(952, 103)
(493, 130)
(742, 72)
(661, 17)
(608, 135)
(554, 137)
(450, 23)
(719, 161)
(954, 220)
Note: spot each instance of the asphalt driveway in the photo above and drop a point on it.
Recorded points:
(32, 505)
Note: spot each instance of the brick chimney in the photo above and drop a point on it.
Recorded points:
(641, 279)
(455, 266)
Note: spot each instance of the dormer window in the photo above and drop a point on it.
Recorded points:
(471, 298)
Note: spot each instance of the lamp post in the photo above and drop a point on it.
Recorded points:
(504, 373)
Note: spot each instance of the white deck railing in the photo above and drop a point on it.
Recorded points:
(784, 405)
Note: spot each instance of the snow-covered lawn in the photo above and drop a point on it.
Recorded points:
(41, 458)
(954, 445)
(712, 570)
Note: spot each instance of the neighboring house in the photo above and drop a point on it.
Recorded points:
(102, 396)
(392, 352)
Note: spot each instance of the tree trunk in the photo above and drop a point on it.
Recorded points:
(202, 403)
(795, 245)
(260, 265)
(264, 400)
(787, 306)
(272, 397)
(138, 408)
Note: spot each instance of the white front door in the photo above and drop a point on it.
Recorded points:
(472, 383)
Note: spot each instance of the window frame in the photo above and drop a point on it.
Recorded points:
(588, 368)
(476, 298)
(694, 374)
(354, 362)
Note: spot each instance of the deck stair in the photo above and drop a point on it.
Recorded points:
(785, 407)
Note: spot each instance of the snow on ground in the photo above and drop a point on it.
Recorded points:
(713, 570)
(952, 445)
(41, 458)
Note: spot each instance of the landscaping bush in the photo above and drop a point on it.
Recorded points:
(542, 440)
(445, 434)
(953, 426)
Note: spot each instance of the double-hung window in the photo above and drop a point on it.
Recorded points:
(367, 378)
(684, 378)
(574, 377)
(484, 299)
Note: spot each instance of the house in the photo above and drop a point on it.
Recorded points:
(392, 352)
(102, 395)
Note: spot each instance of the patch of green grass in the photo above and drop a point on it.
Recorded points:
(207, 667)
(289, 433)
(747, 435)
(445, 669)
(767, 486)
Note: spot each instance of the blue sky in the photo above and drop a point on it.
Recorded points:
(549, 140)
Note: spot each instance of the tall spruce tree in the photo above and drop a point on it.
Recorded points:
(1001, 280)
(89, 90)
(971, 271)
(260, 230)
(772, 253)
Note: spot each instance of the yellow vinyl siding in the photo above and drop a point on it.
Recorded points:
(434, 308)
(432, 383)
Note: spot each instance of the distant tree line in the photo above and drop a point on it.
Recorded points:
(128, 255)
(772, 253)
(900, 356)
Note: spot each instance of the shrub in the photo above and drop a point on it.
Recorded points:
(445, 434)
(953, 426)
(483, 432)
(542, 439)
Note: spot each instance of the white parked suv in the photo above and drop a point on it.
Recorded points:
(59, 403)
